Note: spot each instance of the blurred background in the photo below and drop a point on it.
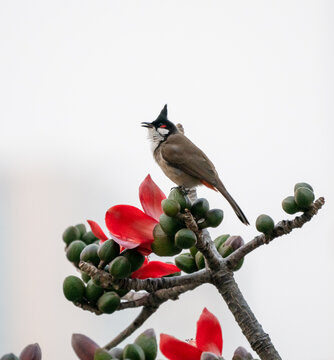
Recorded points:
(252, 84)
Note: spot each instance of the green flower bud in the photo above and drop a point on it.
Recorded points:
(185, 238)
(89, 238)
(225, 250)
(93, 292)
(148, 342)
(200, 261)
(82, 229)
(304, 197)
(199, 208)
(89, 254)
(290, 206)
(108, 302)
(193, 251)
(220, 240)
(108, 250)
(133, 352)
(177, 195)
(303, 184)
(74, 250)
(239, 265)
(214, 217)
(71, 234)
(101, 354)
(186, 263)
(170, 207)
(120, 267)
(170, 225)
(73, 288)
(85, 277)
(265, 224)
(10, 356)
(163, 245)
(136, 258)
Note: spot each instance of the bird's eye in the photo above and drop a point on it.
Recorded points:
(163, 126)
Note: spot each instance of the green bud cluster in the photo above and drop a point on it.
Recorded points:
(144, 348)
(78, 232)
(226, 245)
(301, 201)
(171, 235)
(194, 260)
(84, 246)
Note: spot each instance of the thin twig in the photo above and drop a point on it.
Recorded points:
(145, 313)
(282, 228)
(88, 307)
(151, 304)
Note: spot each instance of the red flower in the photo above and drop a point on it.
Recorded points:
(208, 339)
(129, 226)
(154, 269)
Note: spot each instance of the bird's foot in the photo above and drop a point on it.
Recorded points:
(185, 191)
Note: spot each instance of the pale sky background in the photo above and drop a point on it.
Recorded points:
(252, 83)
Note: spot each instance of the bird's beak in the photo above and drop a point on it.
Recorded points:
(147, 125)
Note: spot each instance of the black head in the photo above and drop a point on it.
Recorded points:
(162, 125)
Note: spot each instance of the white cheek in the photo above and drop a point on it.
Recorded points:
(163, 131)
(155, 138)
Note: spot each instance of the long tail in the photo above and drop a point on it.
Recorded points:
(221, 188)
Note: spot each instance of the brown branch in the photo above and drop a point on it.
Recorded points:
(223, 280)
(251, 328)
(101, 277)
(145, 313)
(151, 304)
(150, 285)
(88, 307)
(282, 228)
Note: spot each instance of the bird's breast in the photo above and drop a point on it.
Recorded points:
(178, 176)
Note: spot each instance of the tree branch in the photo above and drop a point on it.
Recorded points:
(145, 313)
(282, 228)
(251, 328)
(151, 304)
(150, 285)
(223, 280)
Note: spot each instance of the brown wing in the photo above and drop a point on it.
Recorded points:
(181, 153)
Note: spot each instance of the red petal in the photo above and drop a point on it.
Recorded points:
(175, 349)
(150, 196)
(209, 333)
(97, 231)
(154, 269)
(130, 226)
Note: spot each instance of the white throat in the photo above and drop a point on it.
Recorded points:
(155, 138)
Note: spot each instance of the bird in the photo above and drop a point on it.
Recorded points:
(182, 161)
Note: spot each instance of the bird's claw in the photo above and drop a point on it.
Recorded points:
(185, 191)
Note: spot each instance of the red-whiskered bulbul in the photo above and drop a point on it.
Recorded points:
(182, 161)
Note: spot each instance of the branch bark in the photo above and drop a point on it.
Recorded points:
(284, 227)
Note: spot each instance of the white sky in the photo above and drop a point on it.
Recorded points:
(252, 83)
